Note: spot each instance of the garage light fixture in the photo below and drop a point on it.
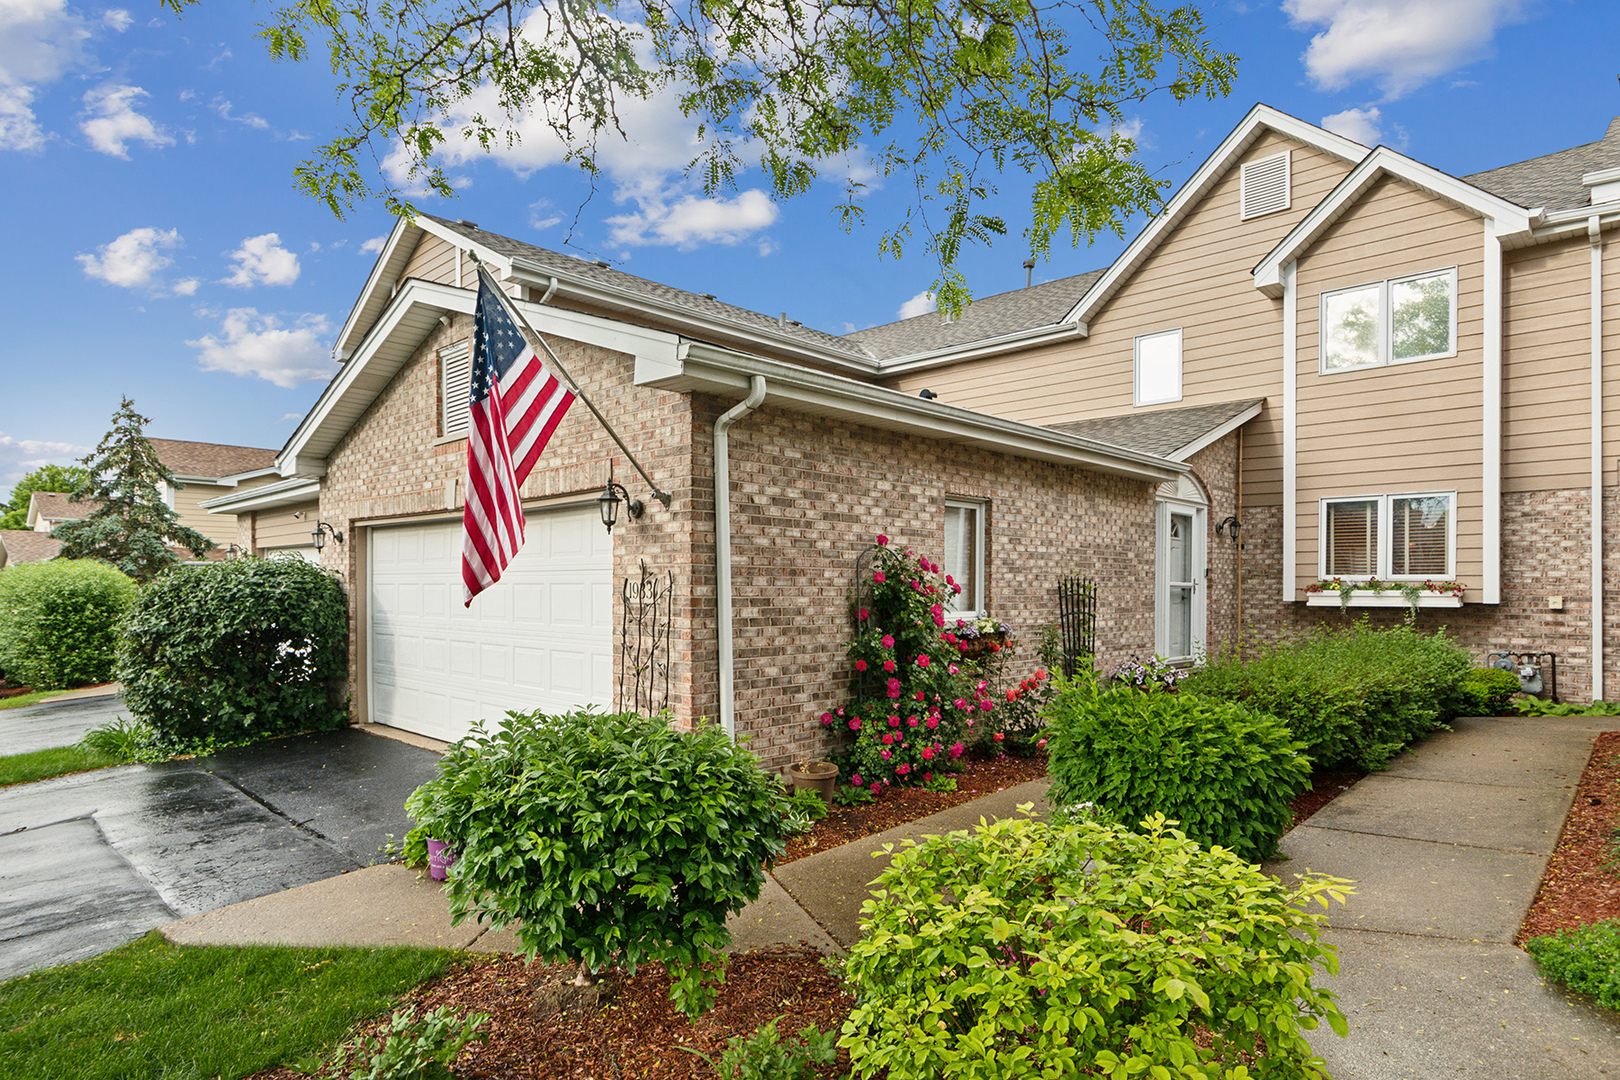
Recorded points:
(608, 504)
(321, 531)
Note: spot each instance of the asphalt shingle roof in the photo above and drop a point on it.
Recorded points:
(212, 460)
(26, 546)
(698, 304)
(55, 506)
(1553, 180)
(987, 317)
(1162, 431)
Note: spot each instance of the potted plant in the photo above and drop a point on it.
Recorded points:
(816, 776)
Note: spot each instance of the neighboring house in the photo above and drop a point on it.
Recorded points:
(18, 546)
(202, 472)
(1121, 424)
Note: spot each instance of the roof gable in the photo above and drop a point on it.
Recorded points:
(210, 460)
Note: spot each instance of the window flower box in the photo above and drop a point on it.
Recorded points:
(1366, 598)
(1372, 593)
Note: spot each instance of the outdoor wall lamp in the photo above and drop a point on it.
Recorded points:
(321, 531)
(608, 504)
(1229, 519)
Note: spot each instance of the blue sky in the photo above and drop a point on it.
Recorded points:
(157, 247)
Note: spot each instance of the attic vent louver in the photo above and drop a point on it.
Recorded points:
(1265, 186)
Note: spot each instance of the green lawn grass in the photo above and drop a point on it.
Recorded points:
(186, 1012)
(19, 700)
(44, 764)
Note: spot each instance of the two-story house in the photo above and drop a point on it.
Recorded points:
(1319, 361)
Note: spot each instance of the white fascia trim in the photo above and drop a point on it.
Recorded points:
(1290, 422)
(234, 479)
(553, 281)
(702, 368)
(1210, 438)
(1491, 426)
(297, 458)
(1509, 218)
(286, 493)
(1601, 176)
(1259, 119)
(348, 339)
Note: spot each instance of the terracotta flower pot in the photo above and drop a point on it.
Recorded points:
(816, 776)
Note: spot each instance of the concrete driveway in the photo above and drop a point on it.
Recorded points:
(91, 861)
(57, 722)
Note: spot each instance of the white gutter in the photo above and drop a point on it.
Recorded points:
(722, 545)
(1595, 234)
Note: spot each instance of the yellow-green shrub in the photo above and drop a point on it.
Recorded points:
(59, 622)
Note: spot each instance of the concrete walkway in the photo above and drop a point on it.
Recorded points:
(1447, 849)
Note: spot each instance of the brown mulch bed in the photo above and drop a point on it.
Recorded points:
(640, 1034)
(897, 806)
(1580, 887)
(1326, 785)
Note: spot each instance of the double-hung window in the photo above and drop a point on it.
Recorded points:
(964, 553)
(1390, 537)
(1390, 322)
(1158, 367)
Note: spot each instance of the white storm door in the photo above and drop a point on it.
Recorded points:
(1180, 604)
(540, 638)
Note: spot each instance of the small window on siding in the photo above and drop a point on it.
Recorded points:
(1419, 534)
(1390, 537)
(1352, 539)
(1265, 185)
(455, 387)
(1158, 367)
(964, 554)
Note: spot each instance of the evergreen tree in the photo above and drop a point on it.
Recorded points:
(60, 478)
(133, 527)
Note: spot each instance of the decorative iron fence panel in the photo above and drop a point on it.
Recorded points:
(644, 642)
(1077, 620)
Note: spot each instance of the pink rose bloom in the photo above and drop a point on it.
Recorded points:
(961, 703)
(860, 665)
(840, 710)
(999, 736)
(888, 739)
(862, 614)
(1012, 694)
(879, 578)
(1041, 745)
(855, 780)
(985, 706)
(888, 665)
(933, 722)
(894, 721)
(888, 641)
(855, 724)
(953, 669)
(956, 750)
(902, 769)
(826, 719)
(928, 753)
(949, 580)
(884, 754)
(957, 589)
(911, 721)
(883, 541)
(877, 788)
(922, 661)
(917, 585)
(983, 685)
(950, 637)
(919, 695)
(894, 692)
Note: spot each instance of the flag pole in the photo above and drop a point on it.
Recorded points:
(484, 275)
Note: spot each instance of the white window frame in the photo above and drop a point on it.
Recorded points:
(1198, 543)
(1136, 366)
(1385, 556)
(1386, 322)
(980, 510)
(1243, 185)
(461, 350)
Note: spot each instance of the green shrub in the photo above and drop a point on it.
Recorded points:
(1534, 706)
(413, 1047)
(1488, 691)
(234, 650)
(1354, 695)
(1224, 772)
(59, 622)
(1585, 959)
(605, 839)
(765, 1055)
(1085, 949)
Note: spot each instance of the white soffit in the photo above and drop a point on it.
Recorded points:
(283, 493)
(1509, 217)
(1261, 118)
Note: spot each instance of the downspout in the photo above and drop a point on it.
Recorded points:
(1595, 236)
(722, 544)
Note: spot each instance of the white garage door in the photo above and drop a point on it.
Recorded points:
(540, 638)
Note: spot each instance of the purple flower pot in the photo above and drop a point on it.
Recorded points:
(440, 858)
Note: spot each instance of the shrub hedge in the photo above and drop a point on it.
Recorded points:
(237, 650)
(1355, 696)
(605, 839)
(59, 622)
(1085, 950)
(1224, 772)
(1487, 691)
(1585, 959)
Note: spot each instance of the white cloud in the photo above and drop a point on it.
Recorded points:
(374, 246)
(112, 122)
(290, 416)
(40, 41)
(135, 260)
(921, 304)
(261, 260)
(1132, 129)
(691, 221)
(542, 215)
(21, 456)
(258, 345)
(223, 107)
(187, 286)
(117, 19)
(1357, 125)
(1399, 44)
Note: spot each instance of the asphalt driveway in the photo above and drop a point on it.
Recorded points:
(56, 722)
(90, 861)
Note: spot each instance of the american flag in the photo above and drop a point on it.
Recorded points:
(516, 404)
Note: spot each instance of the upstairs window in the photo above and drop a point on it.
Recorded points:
(964, 554)
(1158, 367)
(1390, 322)
(1390, 537)
(1265, 186)
(455, 389)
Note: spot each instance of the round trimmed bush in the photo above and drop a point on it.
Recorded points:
(605, 839)
(59, 622)
(1029, 950)
(237, 651)
(1224, 772)
(1488, 690)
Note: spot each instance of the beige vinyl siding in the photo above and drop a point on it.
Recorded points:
(1198, 279)
(433, 260)
(220, 528)
(1547, 368)
(280, 528)
(1411, 427)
